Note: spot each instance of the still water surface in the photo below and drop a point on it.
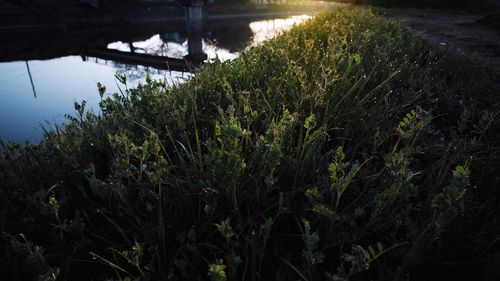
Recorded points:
(68, 74)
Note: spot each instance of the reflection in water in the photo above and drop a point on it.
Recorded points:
(155, 45)
(58, 69)
(58, 83)
(175, 44)
(137, 73)
(267, 29)
(31, 79)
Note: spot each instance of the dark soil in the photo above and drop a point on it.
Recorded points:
(475, 35)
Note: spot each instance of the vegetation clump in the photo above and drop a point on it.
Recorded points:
(345, 149)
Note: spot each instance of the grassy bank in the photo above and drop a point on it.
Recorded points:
(345, 149)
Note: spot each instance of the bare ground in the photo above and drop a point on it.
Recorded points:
(466, 33)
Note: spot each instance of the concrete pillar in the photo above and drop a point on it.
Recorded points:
(195, 42)
(195, 17)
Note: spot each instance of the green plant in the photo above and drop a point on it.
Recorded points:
(346, 131)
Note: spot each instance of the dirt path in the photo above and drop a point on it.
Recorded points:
(459, 31)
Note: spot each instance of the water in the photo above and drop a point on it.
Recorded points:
(64, 68)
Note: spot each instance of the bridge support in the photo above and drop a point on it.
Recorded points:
(195, 17)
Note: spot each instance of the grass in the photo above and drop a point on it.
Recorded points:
(345, 149)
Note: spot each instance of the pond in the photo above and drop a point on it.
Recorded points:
(43, 73)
